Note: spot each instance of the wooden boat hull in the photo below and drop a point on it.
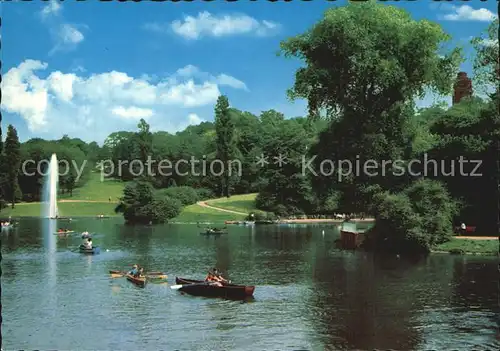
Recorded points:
(149, 275)
(202, 288)
(140, 282)
(94, 251)
(468, 229)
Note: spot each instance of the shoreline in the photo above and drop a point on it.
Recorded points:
(465, 253)
(325, 220)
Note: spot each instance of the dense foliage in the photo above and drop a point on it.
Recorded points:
(140, 204)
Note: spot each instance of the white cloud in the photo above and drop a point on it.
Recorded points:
(194, 119)
(66, 36)
(63, 103)
(52, 9)
(467, 13)
(221, 79)
(132, 112)
(207, 25)
(224, 79)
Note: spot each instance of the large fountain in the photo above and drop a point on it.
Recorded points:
(49, 195)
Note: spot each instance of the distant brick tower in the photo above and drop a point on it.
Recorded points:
(462, 87)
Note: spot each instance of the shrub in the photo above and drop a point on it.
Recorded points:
(205, 194)
(139, 205)
(413, 220)
(185, 194)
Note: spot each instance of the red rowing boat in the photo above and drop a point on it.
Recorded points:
(203, 288)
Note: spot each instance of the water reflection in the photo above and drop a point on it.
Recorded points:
(49, 227)
(308, 295)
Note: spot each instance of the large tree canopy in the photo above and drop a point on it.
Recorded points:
(368, 56)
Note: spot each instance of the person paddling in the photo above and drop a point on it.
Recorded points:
(134, 270)
(463, 229)
(140, 273)
(215, 277)
(89, 244)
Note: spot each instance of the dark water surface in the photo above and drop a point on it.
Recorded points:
(309, 296)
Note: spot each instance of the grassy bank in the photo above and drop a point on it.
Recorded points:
(97, 190)
(197, 213)
(469, 246)
(72, 209)
(93, 199)
(239, 203)
(89, 200)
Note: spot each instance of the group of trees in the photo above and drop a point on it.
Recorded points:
(365, 64)
(10, 159)
(233, 136)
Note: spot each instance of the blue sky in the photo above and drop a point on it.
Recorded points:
(88, 69)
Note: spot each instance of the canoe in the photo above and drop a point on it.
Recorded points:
(94, 251)
(202, 288)
(140, 282)
(61, 233)
(149, 275)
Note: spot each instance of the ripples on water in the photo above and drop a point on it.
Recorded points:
(308, 296)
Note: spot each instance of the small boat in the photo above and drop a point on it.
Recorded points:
(65, 232)
(149, 275)
(93, 251)
(265, 221)
(139, 281)
(214, 232)
(468, 229)
(102, 216)
(203, 288)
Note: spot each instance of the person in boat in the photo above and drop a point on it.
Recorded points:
(134, 270)
(463, 229)
(140, 273)
(214, 276)
(87, 245)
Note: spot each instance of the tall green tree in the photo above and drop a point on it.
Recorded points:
(2, 173)
(12, 159)
(144, 139)
(224, 128)
(365, 63)
(486, 61)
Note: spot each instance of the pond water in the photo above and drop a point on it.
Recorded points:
(308, 296)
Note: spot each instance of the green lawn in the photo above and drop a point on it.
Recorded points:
(196, 213)
(239, 203)
(72, 209)
(97, 190)
(470, 246)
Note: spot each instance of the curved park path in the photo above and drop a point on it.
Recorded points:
(204, 204)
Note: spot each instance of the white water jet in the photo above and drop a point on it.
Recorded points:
(49, 195)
